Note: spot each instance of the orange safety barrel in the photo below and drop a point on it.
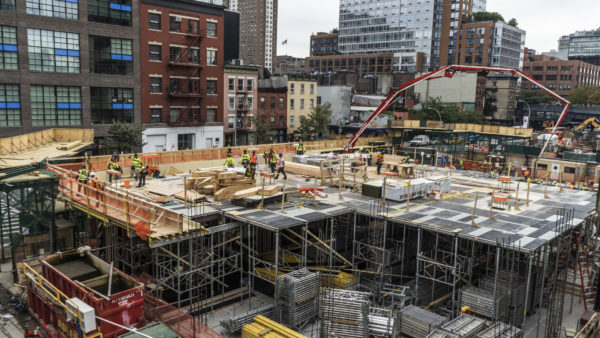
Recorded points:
(504, 178)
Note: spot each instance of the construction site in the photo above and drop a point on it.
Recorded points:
(334, 250)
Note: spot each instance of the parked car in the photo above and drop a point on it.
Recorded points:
(419, 141)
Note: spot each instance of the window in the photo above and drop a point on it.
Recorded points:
(231, 84)
(240, 85)
(174, 54)
(115, 12)
(211, 86)
(111, 104)
(250, 85)
(211, 29)
(231, 103)
(291, 88)
(542, 166)
(250, 103)
(155, 115)
(312, 88)
(302, 88)
(281, 103)
(318, 100)
(175, 24)
(185, 141)
(311, 103)
(8, 54)
(301, 103)
(154, 21)
(240, 102)
(211, 57)
(272, 119)
(51, 51)
(569, 170)
(155, 52)
(193, 26)
(193, 56)
(291, 122)
(65, 9)
(550, 77)
(55, 106)
(272, 103)
(291, 103)
(263, 102)
(10, 105)
(156, 85)
(111, 56)
(7, 5)
(230, 122)
(211, 115)
(174, 114)
(281, 122)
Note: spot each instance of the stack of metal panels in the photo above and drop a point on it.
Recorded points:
(465, 326)
(380, 325)
(416, 322)
(372, 188)
(316, 159)
(437, 333)
(481, 301)
(236, 323)
(344, 313)
(501, 330)
(297, 297)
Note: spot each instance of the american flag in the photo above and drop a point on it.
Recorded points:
(284, 42)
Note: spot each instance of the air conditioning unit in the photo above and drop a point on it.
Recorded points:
(178, 18)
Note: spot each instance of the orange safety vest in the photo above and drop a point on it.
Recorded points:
(96, 182)
(253, 158)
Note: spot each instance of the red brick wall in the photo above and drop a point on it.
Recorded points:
(267, 111)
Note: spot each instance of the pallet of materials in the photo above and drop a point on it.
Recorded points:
(437, 333)
(344, 313)
(297, 297)
(263, 327)
(417, 323)
(316, 160)
(465, 326)
(482, 301)
(380, 326)
(236, 323)
(500, 330)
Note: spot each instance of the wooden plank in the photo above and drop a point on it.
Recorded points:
(204, 173)
(207, 189)
(237, 183)
(227, 175)
(246, 193)
(192, 196)
(173, 171)
(269, 190)
(227, 193)
(302, 169)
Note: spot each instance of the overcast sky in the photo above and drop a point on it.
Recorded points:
(544, 20)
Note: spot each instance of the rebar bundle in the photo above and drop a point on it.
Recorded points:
(297, 297)
(236, 323)
(344, 313)
(417, 322)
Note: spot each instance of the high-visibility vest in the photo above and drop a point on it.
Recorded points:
(229, 161)
(379, 158)
(273, 159)
(109, 165)
(253, 158)
(136, 162)
(96, 182)
(300, 148)
(245, 157)
(83, 175)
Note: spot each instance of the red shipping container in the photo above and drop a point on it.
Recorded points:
(86, 276)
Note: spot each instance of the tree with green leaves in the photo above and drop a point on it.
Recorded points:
(585, 95)
(513, 22)
(534, 97)
(261, 130)
(306, 129)
(314, 125)
(123, 137)
(449, 114)
(487, 16)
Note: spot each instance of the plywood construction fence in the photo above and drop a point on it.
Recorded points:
(33, 141)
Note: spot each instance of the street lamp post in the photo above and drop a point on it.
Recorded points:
(529, 114)
(439, 115)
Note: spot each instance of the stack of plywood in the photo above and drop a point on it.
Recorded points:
(218, 182)
(268, 190)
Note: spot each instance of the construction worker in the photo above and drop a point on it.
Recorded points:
(229, 161)
(369, 156)
(281, 167)
(272, 161)
(266, 156)
(136, 165)
(300, 149)
(82, 177)
(250, 171)
(96, 182)
(245, 159)
(143, 172)
(379, 162)
(113, 164)
(253, 159)
(460, 164)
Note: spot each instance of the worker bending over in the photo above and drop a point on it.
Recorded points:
(379, 162)
(281, 167)
(143, 172)
(96, 183)
(229, 161)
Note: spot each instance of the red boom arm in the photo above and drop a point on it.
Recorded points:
(448, 71)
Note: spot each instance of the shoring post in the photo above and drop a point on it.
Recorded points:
(528, 187)
(494, 307)
(474, 210)
(527, 290)
(70, 186)
(517, 198)
(407, 196)
(150, 217)
(127, 215)
(283, 196)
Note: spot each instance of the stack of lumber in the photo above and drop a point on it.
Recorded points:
(266, 328)
(303, 169)
(268, 190)
(218, 182)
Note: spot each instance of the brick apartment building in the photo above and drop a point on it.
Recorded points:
(68, 64)
(560, 75)
(240, 104)
(272, 107)
(182, 51)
